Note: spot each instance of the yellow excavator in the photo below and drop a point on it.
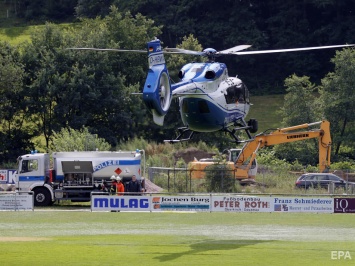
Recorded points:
(246, 159)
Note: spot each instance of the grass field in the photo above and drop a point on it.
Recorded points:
(264, 109)
(16, 35)
(46, 237)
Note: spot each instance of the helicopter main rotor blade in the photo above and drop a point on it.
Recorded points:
(235, 49)
(182, 51)
(293, 49)
(109, 49)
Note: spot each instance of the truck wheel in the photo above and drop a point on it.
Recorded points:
(42, 197)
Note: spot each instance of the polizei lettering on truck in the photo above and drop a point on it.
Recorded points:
(116, 162)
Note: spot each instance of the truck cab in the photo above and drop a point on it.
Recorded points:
(33, 174)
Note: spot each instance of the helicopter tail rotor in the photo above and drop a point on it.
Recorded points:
(157, 92)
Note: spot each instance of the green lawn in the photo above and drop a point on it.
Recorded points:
(264, 109)
(83, 238)
(16, 35)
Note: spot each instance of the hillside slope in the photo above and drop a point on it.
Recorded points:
(264, 109)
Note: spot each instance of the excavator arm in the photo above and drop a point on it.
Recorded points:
(285, 135)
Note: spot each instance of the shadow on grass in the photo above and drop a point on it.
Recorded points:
(209, 246)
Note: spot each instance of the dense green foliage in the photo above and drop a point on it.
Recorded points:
(46, 88)
(338, 99)
(332, 100)
(16, 133)
(263, 24)
(223, 24)
(69, 139)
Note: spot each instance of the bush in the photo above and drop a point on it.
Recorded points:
(346, 165)
(296, 166)
(220, 178)
(268, 159)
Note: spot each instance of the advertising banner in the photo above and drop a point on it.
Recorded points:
(226, 203)
(344, 205)
(7, 176)
(14, 202)
(3, 176)
(241, 204)
(302, 204)
(120, 203)
(181, 203)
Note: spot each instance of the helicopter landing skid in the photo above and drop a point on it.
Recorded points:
(250, 127)
(234, 136)
(182, 131)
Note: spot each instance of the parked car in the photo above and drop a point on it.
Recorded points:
(320, 180)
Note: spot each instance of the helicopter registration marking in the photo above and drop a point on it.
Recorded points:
(156, 59)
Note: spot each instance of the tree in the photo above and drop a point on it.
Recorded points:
(69, 139)
(92, 8)
(42, 10)
(70, 88)
(300, 106)
(44, 62)
(338, 99)
(16, 132)
(176, 62)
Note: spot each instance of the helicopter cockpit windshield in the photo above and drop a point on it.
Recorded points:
(237, 94)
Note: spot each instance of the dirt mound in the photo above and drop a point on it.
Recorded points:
(151, 187)
(189, 154)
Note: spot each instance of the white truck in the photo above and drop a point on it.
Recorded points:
(74, 175)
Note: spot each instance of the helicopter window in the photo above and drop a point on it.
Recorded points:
(203, 107)
(235, 94)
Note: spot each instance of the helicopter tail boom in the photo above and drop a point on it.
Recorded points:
(157, 93)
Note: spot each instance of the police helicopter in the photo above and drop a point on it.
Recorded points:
(209, 99)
